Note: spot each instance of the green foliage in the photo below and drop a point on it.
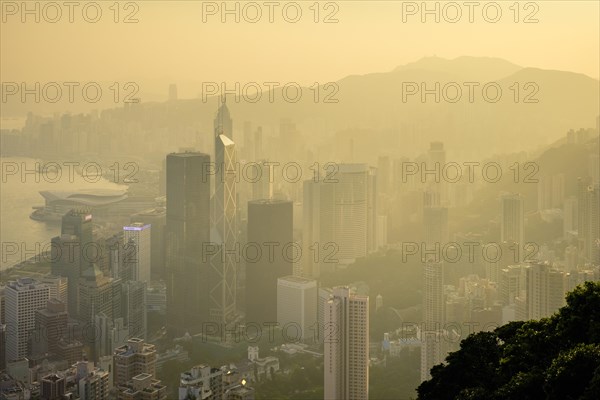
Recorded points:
(397, 379)
(302, 379)
(571, 372)
(555, 358)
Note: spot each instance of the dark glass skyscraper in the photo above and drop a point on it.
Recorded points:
(270, 229)
(66, 261)
(187, 232)
(79, 223)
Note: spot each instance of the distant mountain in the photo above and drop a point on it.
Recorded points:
(376, 114)
(465, 67)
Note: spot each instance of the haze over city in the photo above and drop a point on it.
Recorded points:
(299, 200)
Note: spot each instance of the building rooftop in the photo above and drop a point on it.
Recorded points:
(297, 279)
(269, 201)
(85, 197)
(22, 284)
(186, 154)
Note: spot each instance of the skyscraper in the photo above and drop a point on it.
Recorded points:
(224, 265)
(156, 217)
(339, 214)
(512, 219)
(187, 232)
(351, 211)
(346, 346)
(297, 307)
(324, 295)
(223, 124)
(269, 256)
(78, 222)
(433, 294)
(23, 298)
(140, 233)
(65, 262)
(372, 182)
(317, 225)
(263, 188)
(134, 305)
(112, 333)
(545, 290)
(98, 294)
(51, 325)
(590, 223)
(432, 350)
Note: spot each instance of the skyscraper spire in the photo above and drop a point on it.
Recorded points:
(223, 122)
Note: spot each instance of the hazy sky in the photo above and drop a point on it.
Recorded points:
(171, 42)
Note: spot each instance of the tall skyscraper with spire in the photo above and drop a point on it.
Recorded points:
(224, 265)
(223, 123)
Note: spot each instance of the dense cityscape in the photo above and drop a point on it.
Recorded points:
(375, 238)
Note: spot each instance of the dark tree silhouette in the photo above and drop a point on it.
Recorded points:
(556, 358)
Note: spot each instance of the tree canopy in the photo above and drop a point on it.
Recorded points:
(556, 358)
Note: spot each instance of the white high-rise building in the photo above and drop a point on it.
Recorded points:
(545, 290)
(512, 219)
(346, 346)
(351, 211)
(339, 214)
(433, 295)
(297, 307)
(324, 295)
(140, 233)
(23, 298)
(432, 350)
